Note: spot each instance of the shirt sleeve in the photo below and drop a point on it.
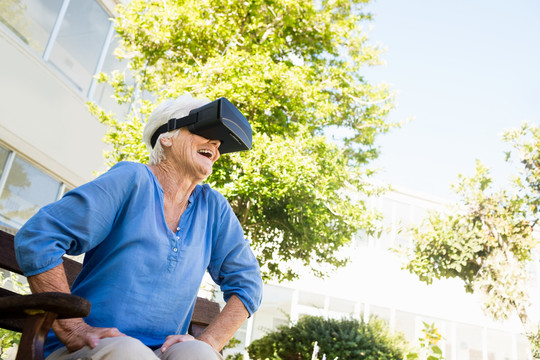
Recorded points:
(233, 266)
(74, 224)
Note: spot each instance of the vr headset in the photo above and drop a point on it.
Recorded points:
(218, 120)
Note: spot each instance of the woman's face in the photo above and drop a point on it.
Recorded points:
(193, 153)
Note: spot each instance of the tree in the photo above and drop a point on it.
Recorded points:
(294, 70)
(343, 339)
(487, 240)
(8, 338)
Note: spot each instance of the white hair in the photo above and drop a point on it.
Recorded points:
(169, 109)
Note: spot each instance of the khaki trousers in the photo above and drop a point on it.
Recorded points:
(128, 348)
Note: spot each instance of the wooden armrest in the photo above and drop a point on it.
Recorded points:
(204, 313)
(39, 312)
(64, 305)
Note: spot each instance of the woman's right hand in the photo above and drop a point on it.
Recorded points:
(76, 334)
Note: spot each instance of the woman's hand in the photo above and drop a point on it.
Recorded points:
(173, 339)
(76, 334)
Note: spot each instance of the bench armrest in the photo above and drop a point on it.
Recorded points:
(39, 312)
(64, 305)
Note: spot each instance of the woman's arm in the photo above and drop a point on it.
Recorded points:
(221, 330)
(229, 320)
(74, 333)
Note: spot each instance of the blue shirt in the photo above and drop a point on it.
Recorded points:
(139, 275)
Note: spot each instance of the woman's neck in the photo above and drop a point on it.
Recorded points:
(177, 188)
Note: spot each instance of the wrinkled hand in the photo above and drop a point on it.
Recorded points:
(76, 334)
(173, 339)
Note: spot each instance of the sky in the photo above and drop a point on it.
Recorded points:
(464, 71)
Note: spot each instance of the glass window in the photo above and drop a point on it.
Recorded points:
(31, 20)
(3, 158)
(104, 93)
(523, 347)
(469, 342)
(341, 306)
(80, 41)
(499, 344)
(380, 312)
(405, 323)
(277, 322)
(26, 190)
(311, 299)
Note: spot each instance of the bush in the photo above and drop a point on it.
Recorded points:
(8, 339)
(346, 339)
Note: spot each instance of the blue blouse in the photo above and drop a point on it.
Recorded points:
(140, 277)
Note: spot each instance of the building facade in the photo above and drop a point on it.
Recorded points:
(374, 284)
(49, 143)
(51, 50)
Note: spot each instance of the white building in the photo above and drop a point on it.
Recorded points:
(50, 50)
(48, 140)
(373, 283)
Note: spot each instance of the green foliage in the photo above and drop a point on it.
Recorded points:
(533, 336)
(345, 339)
(234, 342)
(460, 242)
(487, 240)
(237, 356)
(8, 339)
(526, 142)
(291, 207)
(315, 355)
(429, 350)
(294, 69)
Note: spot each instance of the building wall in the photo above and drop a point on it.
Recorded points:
(49, 143)
(44, 119)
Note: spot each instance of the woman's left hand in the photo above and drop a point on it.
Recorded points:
(173, 339)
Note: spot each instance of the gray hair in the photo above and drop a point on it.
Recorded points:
(169, 109)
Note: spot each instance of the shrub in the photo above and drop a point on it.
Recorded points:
(346, 339)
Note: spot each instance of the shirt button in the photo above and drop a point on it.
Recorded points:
(175, 250)
(178, 238)
(178, 229)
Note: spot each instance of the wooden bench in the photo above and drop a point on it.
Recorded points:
(33, 315)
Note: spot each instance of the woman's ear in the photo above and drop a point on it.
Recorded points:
(166, 142)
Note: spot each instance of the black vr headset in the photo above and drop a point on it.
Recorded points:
(218, 120)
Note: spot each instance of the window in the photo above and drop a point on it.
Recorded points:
(311, 299)
(69, 34)
(73, 36)
(381, 312)
(103, 93)
(341, 308)
(469, 342)
(499, 344)
(405, 323)
(523, 352)
(31, 20)
(23, 189)
(3, 160)
(80, 40)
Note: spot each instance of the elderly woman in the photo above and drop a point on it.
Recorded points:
(149, 234)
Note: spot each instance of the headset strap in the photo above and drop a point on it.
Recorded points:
(173, 124)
